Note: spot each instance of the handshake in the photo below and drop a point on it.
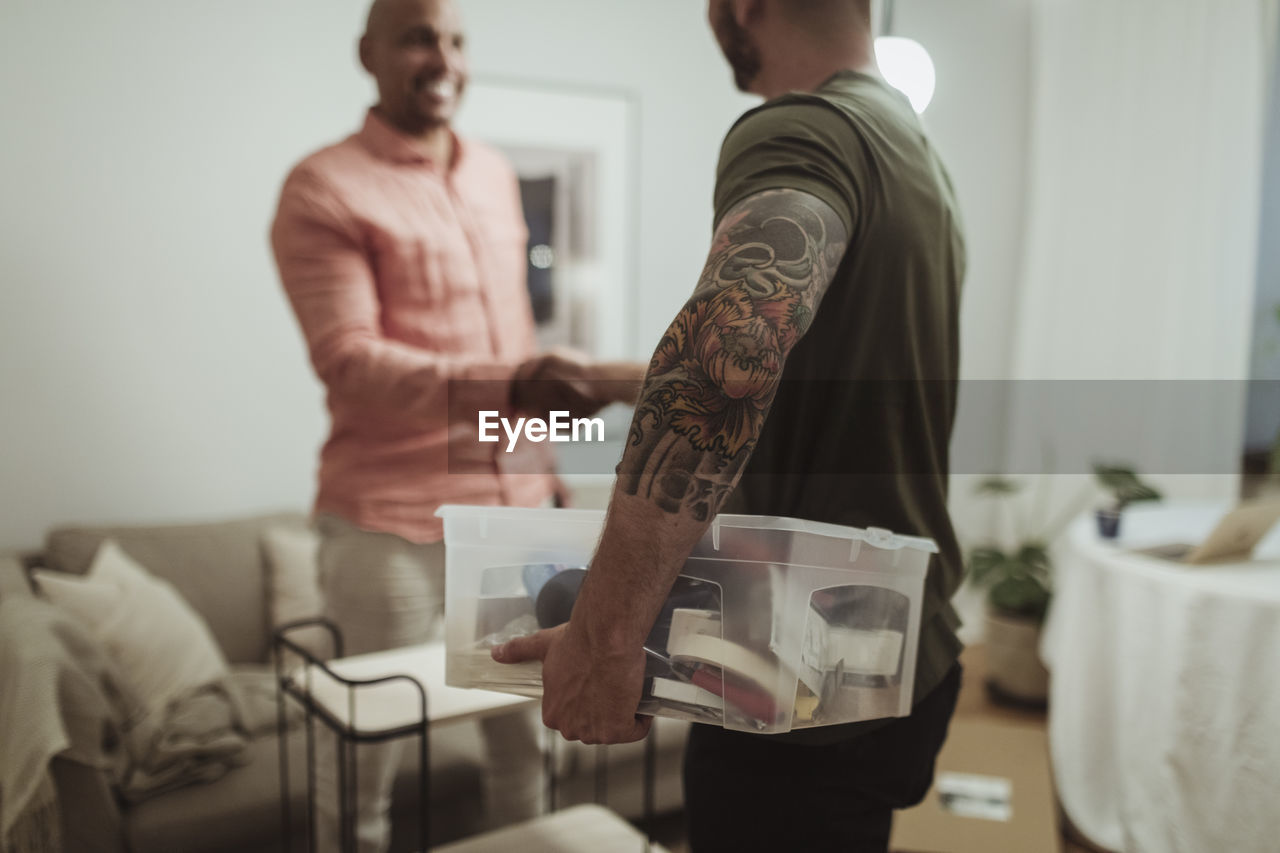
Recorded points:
(565, 380)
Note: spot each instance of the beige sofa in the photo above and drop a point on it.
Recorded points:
(219, 568)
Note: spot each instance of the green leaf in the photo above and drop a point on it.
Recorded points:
(1034, 556)
(985, 564)
(1034, 553)
(1124, 484)
(995, 485)
(1140, 492)
(1022, 596)
(1115, 476)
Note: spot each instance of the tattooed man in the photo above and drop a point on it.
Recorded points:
(811, 374)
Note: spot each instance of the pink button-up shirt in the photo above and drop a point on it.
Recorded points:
(408, 279)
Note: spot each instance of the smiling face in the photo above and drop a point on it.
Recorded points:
(414, 50)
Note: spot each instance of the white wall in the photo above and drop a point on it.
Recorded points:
(662, 52)
(979, 121)
(149, 366)
(1264, 403)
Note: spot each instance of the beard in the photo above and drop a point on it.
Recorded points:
(737, 47)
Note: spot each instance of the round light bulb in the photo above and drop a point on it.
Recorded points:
(906, 66)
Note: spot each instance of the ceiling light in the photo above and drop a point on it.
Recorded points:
(906, 66)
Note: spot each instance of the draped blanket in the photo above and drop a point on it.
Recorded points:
(61, 696)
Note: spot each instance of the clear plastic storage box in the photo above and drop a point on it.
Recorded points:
(774, 623)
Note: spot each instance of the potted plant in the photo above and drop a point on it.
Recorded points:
(1125, 487)
(1015, 571)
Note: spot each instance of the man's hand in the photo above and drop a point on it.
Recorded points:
(586, 695)
(618, 381)
(565, 380)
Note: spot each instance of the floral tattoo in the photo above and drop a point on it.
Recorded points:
(715, 371)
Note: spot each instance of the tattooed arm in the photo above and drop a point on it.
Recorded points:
(715, 371)
(704, 400)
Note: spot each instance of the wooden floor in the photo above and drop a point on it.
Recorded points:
(973, 704)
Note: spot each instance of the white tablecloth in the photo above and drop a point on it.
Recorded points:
(1164, 715)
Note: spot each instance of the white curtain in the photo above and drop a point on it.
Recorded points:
(1142, 228)
(1140, 256)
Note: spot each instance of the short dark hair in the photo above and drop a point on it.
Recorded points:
(820, 15)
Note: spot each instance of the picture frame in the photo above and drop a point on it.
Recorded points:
(576, 148)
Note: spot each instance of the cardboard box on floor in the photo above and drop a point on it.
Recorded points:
(997, 751)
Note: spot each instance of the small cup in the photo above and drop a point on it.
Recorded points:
(1108, 523)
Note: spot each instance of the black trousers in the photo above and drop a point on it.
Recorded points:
(746, 792)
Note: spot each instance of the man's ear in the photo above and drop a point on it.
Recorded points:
(365, 51)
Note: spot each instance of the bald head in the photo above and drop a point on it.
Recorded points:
(381, 13)
(414, 50)
(827, 18)
(377, 15)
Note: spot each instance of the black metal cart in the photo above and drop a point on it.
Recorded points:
(297, 668)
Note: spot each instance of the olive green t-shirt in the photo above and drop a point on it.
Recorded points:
(858, 433)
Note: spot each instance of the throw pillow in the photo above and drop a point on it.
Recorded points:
(293, 585)
(88, 602)
(160, 644)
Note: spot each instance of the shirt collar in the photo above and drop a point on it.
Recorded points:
(388, 143)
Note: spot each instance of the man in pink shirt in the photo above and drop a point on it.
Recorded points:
(402, 250)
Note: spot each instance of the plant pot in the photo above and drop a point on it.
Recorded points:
(1108, 523)
(1015, 675)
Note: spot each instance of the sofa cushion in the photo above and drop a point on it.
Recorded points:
(13, 578)
(293, 584)
(241, 811)
(217, 567)
(161, 646)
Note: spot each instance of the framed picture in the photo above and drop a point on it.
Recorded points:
(575, 153)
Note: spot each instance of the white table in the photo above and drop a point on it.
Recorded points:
(396, 704)
(1164, 709)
